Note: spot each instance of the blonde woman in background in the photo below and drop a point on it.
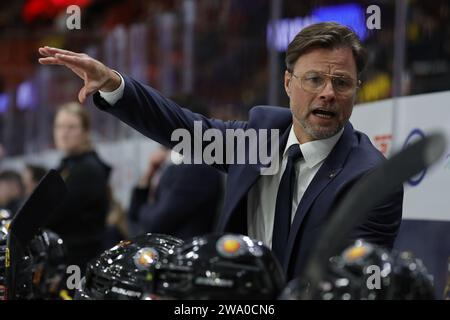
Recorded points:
(81, 220)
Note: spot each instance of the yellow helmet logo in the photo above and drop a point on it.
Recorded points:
(145, 258)
(231, 245)
(356, 252)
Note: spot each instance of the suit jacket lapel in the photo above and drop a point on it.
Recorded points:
(238, 184)
(331, 167)
(243, 178)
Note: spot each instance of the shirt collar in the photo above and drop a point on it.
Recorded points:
(315, 151)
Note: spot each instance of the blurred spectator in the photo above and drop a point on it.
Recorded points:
(226, 33)
(116, 223)
(182, 200)
(11, 191)
(80, 221)
(31, 176)
(169, 198)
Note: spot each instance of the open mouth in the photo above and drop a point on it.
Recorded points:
(325, 114)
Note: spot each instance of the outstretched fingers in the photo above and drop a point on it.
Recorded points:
(63, 59)
(50, 51)
(79, 66)
(93, 72)
(50, 60)
(73, 60)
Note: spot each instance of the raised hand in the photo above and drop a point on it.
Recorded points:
(96, 75)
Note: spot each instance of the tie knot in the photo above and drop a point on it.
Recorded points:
(294, 153)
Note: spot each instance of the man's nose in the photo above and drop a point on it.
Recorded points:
(327, 92)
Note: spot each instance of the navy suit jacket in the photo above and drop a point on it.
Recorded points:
(146, 110)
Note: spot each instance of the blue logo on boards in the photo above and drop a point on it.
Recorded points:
(413, 136)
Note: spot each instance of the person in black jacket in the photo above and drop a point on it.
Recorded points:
(80, 221)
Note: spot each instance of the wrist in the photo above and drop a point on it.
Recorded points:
(112, 83)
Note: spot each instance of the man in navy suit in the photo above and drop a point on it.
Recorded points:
(320, 154)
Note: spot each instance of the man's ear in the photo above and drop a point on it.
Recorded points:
(355, 96)
(287, 83)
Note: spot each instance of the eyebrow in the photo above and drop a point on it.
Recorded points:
(337, 73)
(342, 74)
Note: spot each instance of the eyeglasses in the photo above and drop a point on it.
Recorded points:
(314, 82)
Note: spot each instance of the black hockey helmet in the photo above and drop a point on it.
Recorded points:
(368, 272)
(124, 271)
(226, 266)
(40, 269)
(50, 261)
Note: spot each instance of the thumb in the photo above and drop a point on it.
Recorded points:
(82, 94)
(85, 92)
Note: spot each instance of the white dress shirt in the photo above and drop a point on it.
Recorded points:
(114, 96)
(262, 197)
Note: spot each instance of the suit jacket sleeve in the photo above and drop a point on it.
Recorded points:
(382, 223)
(146, 110)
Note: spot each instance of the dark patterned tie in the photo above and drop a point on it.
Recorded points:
(283, 208)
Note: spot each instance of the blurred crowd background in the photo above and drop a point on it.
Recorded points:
(220, 50)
